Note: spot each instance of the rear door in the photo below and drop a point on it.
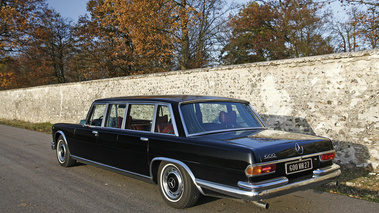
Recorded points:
(127, 148)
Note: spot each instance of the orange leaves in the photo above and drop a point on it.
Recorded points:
(15, 17)
(276, 30)
(138, 31)
(6, 80)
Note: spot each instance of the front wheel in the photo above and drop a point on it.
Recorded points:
(176, 186)
(63, 153)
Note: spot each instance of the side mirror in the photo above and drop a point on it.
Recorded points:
(82, 122)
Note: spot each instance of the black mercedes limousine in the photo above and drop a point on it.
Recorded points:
(193, 145)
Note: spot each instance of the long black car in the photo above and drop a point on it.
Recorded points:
(193, 145)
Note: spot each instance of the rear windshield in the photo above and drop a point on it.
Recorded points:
(218, 116)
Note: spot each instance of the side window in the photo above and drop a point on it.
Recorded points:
(163, 122)
(97, 115)
(140, 117)
(115, 115)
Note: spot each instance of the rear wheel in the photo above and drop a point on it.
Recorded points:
(176, 186)
(63, 153)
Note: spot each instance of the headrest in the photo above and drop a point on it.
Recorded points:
(228, 118)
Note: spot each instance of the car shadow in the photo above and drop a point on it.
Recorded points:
(349, 154)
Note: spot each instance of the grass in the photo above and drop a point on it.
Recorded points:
(358, 183)
(41, 127)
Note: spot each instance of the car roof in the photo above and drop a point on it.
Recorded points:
(170, 98)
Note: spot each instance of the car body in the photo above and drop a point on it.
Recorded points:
(193, 145)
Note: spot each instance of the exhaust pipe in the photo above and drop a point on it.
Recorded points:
(262, 204)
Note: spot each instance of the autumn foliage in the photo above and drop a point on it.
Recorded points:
(120, 38)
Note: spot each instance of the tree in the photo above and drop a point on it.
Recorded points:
(205, 22)
(51, 43)
(370, 25)
(126, 37)
(16, 17)
(345, 33)
(148, 36)
(276, 30)
(363, 16)
(7, 78)
(253, 34)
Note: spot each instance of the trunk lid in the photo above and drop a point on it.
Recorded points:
(271, 145)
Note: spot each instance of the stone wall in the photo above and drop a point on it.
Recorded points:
(335, 96)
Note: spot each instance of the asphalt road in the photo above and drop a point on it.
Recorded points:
(32, 181)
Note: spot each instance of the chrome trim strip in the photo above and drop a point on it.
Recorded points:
(126, 172)
(257, 115)
(216, 131)
(325, 170)
(61, 133)
(188, 170)
(226, 130)
(271, 188)
(221, 99)
(264, 184)
(64, 138)
(105, 115)
(292, 159)
(53, 146)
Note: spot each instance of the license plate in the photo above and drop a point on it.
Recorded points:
(298, 166)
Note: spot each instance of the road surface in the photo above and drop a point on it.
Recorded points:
(32, 181)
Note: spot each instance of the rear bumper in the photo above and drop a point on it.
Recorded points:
(273, 187)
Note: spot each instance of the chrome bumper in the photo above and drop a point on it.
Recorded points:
(273, 187)
(53, 146)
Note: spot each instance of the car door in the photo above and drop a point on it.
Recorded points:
(108, 152)
(127, 148)
(85, 138)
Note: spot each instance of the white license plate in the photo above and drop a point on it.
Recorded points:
(298, 166)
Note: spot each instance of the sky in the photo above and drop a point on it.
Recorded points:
(69, 8)
(74, 8)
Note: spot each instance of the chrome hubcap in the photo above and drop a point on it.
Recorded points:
(61, 151)
(172, 182)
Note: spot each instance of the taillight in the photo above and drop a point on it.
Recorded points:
(260, 170)
(327, 156)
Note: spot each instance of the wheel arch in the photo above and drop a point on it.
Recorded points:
(154, 165)
(56, 136)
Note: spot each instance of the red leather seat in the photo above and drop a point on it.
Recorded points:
(163, 126)
(228, 118)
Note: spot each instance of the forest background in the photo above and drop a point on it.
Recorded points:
(119, 38)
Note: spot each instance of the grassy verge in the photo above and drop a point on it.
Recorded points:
(358, 183)
(354, 182)
(41, 127)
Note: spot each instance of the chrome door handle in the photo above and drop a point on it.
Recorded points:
(96, 133)
(144, 139)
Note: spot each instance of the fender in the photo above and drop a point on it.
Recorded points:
(185, 167)
(54, 143)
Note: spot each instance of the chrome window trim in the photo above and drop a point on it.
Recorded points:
(219, 131)
(153, 122)
(90, 113)
(142, 103)
(176, 133)
(257, 116)
(104, 115)
(123, 117)
(225, 130)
